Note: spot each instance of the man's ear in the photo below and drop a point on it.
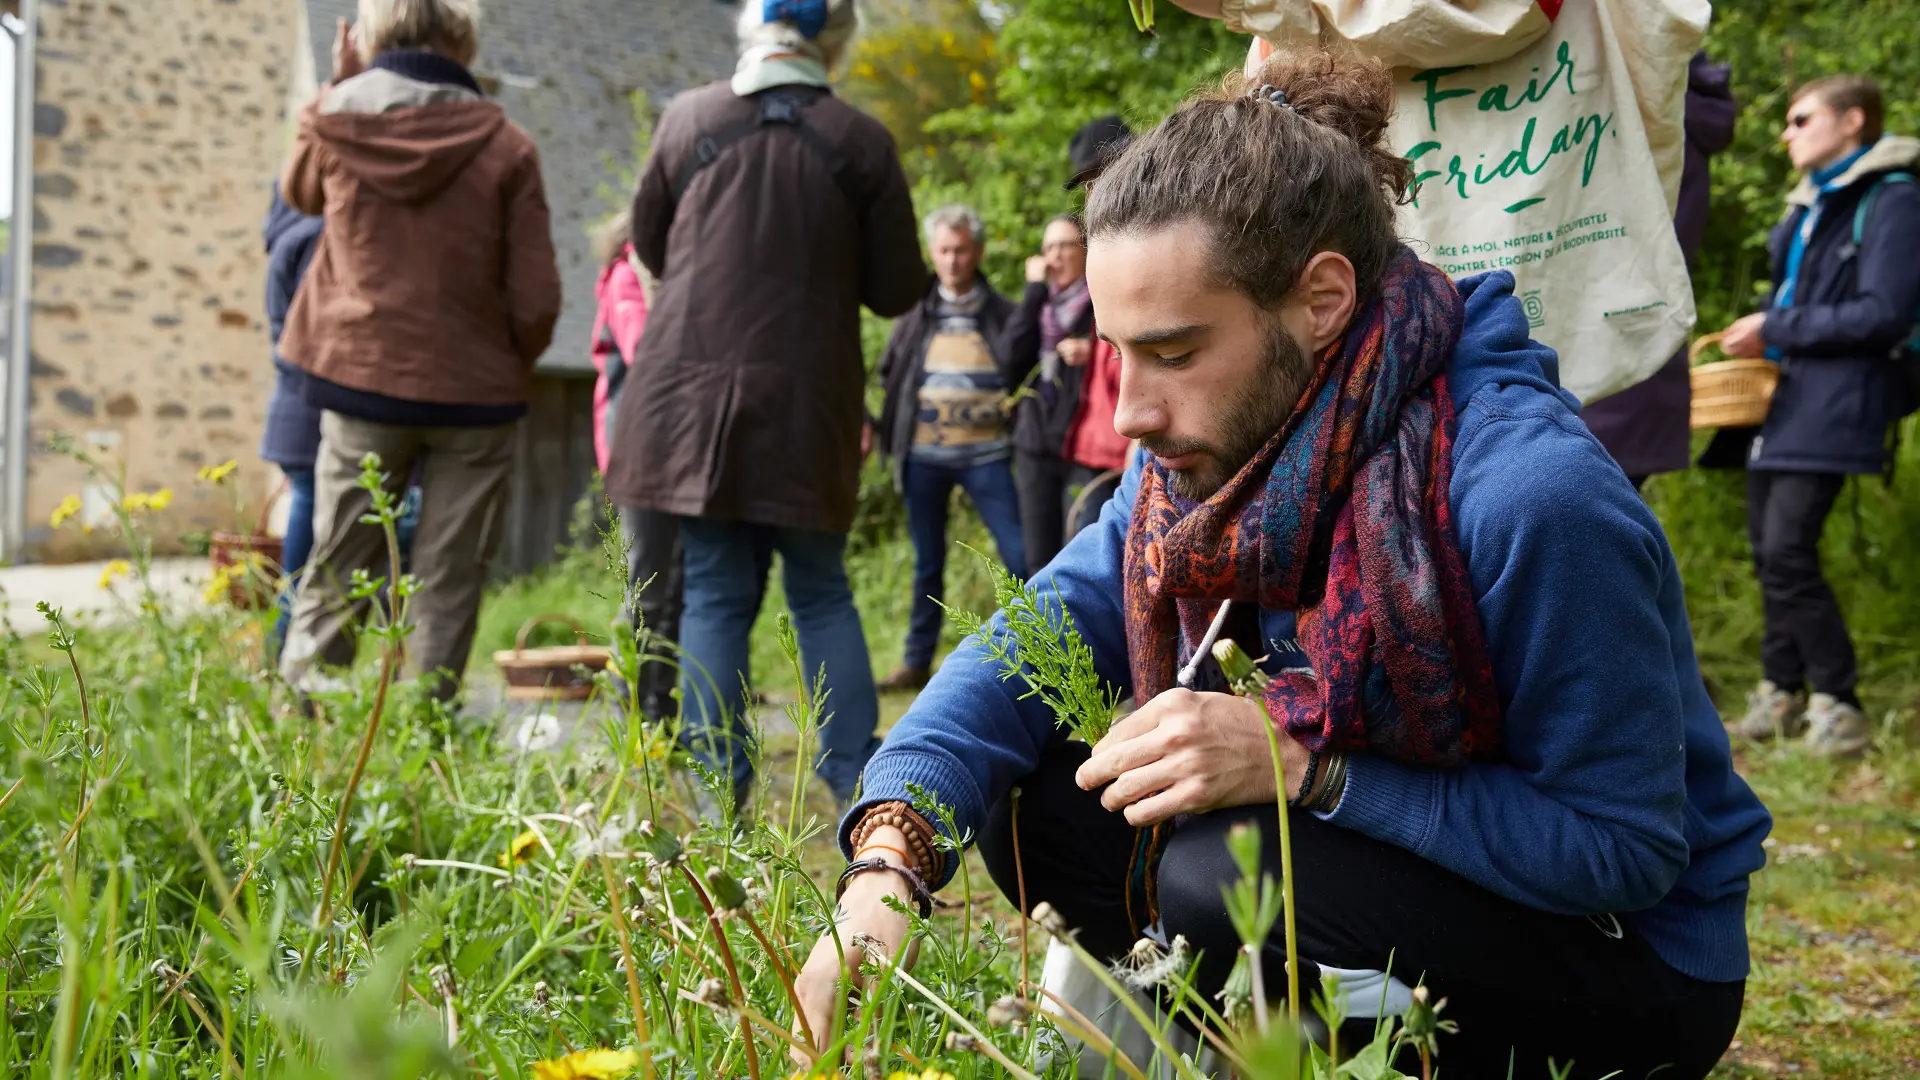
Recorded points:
(1852, 123)
(1326, 295)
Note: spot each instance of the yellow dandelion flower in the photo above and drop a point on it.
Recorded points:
(218, 585)
(217, 474)
(977, 81)
(655, 749)
(929, 1073)
(137, 501)
(68, 507)
(524, 847)
(587, 1065)
(161, 499)
(114, 569)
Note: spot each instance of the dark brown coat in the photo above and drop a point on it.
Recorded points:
(434, 279)
(747, 396)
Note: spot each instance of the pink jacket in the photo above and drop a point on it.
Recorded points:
(1091, 440)
(616, 334)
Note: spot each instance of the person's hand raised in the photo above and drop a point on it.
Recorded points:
(346, 52)
(1075, 351)
(1036, 269)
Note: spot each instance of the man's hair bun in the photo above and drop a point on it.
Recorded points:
(1353, 95)
(1281, 164)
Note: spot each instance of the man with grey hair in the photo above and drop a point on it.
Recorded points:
(944, 423)
(769, 212)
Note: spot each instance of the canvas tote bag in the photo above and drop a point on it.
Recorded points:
(1548, 139)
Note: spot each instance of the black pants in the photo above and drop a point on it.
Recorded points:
(1805, 640)
(1519, 981)
(655, 567)
(1048, 487)
(1041, 480)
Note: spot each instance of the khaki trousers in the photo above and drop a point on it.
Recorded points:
(463, 499)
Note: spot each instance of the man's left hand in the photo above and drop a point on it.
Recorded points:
(1742, 340)
(1187, 753)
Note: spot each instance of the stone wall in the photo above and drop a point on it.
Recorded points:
(159, 129)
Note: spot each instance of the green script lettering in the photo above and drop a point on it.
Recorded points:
(1435, 95)
(1495, 97)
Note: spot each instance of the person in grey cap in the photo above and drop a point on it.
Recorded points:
(1052, 330)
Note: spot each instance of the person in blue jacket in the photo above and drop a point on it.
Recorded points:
(1846, 292)
(1509, 781)
(291, 436)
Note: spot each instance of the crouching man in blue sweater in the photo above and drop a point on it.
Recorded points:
(1512, 784)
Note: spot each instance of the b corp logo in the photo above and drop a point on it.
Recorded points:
(1536, 308)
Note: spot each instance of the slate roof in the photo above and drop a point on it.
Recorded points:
(564, 70)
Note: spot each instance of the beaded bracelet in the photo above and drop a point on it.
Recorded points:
(918, 833)
(922, 898)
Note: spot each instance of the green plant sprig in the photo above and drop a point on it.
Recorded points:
(1036, 639)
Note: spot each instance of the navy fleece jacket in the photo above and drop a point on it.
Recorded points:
(1618, 793)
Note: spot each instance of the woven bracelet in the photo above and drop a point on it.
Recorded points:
(922, 897)
(1306, 782)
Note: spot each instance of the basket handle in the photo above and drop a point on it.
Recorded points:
(520, 639)
(266, 507)
(1702, 344)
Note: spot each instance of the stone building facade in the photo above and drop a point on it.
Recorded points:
(159, 126)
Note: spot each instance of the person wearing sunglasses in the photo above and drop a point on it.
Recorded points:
(1840, 320)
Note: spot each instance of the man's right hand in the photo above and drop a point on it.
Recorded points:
(1036, 269)
(862, 910)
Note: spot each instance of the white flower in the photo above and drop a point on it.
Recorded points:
(541, 731)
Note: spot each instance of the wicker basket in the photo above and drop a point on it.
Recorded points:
(1730, 393)
(548, 674)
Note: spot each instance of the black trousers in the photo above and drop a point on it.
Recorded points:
(655, 567)
(1041, 480)
(1520, 982)
(1048, 487)
(1805, 640)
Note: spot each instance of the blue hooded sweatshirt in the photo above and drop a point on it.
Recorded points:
(1617, 794)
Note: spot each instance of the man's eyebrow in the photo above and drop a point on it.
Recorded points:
(1160, 337)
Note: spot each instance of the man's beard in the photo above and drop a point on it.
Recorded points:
(1250, 420)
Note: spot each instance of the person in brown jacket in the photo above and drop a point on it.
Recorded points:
(770, 211)
(433, 290)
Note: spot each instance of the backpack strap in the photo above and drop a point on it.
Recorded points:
(782, 107)
(1865, 208)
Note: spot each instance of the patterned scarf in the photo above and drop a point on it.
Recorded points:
(1343, 518)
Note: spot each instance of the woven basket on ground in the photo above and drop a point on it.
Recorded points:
(251, 562)
(548, 673)
(1730, 393)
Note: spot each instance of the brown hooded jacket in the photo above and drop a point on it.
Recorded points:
(434, 279)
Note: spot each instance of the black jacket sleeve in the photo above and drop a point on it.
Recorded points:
(1019, 344)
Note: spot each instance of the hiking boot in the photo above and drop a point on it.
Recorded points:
(904, 677)
(1772, 712)
(1836, 729)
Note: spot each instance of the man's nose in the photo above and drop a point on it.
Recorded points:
(1137, 414)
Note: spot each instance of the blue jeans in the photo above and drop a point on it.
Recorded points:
(929, 491)
(726, 566)
(297, 545)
